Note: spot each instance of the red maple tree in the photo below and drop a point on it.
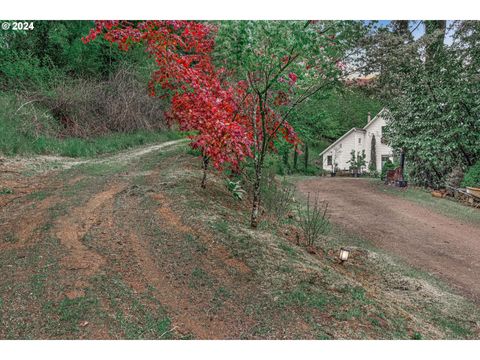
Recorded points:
(201, 102)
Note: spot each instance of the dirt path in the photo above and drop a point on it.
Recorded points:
(44, 162)
(443, 246)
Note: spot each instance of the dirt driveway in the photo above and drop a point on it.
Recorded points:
(445, 247)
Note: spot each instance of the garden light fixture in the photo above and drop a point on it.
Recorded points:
(344, 254)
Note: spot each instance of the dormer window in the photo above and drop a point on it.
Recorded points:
(382, 137)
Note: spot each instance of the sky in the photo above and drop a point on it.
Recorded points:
(419, 29)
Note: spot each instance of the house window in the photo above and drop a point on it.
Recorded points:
(382, 137)
(359, 140)
(385, 158)
(329, 160)
(340, 146)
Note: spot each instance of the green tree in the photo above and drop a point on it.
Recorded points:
(270, 54)
(433, 96)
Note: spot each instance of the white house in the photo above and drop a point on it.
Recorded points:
(338, 154)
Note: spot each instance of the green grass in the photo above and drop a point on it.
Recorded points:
(38, 195)
(195, 244)
(135, 316)
(102, 168)
(66, 315)
(21, 136)
(353, 313)
(221, 226)
(288, 249)
(12, 143)
(443, 206)
(200, 278)
(306, 296)
(454, 328)
(5, 191)
(10, 238)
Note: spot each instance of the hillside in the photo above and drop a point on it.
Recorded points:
(129, 246)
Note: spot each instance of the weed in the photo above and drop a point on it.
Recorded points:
(417, 336)
(5, 191)
(277, 198)
(221, 226)
(69, 313)
(10, 238)
(356, 293)
(352, 313)
(454, 327)
(102, 169)
(304, 296)
(37, 282)
(132, 318)
(313, 220)
(219, 297)
(196, 243)
(236, 189)
(38, 195)
(285, 269)
(200, 278)
(261, 330)
(289, 250)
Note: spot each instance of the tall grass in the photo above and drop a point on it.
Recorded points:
(32, 130)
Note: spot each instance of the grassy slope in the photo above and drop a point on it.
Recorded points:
(28, 130)
(181, 262)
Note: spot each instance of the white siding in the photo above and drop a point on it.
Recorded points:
(341, 151)
(358, 140)
(375, 128)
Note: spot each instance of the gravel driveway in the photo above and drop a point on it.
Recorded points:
(443, 246)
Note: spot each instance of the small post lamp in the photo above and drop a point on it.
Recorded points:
(343, 254)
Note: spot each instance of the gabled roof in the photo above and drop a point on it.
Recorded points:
(354, 129)
(381, 112)
(341, 138)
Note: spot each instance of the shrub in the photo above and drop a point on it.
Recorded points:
(277, 198)
(313, 220)
(374, 174)
(5, 191)
(311, 170)
(84, 108)
(236, 189)
(472, 176)
(388, 165)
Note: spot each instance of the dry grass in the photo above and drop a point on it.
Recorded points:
(179, 261)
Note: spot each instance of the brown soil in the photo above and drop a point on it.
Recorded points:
(441, 245)
(148, 243)
(71, 228)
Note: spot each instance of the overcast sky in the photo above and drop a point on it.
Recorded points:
(419, 29)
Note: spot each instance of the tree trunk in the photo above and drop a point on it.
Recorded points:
(373, 155)
(256, 196)
(205, 166)
(402, 163)
(306, 156)
(285, 154)
(295, 157)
